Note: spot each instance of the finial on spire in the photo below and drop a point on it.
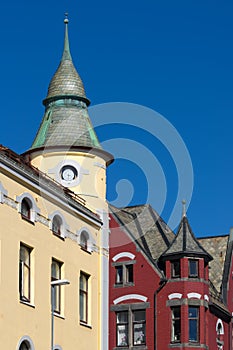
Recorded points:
(66, 53)
(184, 207)
(66, 20)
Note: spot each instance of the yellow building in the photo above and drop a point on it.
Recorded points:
(54, 228)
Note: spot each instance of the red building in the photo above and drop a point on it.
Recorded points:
(167, 291)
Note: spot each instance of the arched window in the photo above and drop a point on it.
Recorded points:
(26, 206)
(84, 237)
(25, 345)
(57, 225)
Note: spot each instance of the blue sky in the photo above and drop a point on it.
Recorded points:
(175, 57)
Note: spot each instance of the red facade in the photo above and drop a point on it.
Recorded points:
(168, 302)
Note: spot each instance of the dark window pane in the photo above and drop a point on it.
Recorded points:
(176, 325)
(129, 273)
(193, 268)
(193, 324)
(26, 209)
(175, 265)
(122, 328)
(139, 327)
(119, 274)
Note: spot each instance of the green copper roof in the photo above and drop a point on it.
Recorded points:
(66, 121)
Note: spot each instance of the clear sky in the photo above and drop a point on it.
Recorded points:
(175, 57)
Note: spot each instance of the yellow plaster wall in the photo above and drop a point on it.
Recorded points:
(18, 319)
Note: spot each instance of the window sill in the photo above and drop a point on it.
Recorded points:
(85, 250)
(58, 315)
(27, 303)
(25, 218)
(58, 236)
(85, 325)
(126, 284)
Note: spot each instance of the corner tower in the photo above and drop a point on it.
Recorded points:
(66, 146)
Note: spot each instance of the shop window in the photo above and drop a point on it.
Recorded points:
(175, 324)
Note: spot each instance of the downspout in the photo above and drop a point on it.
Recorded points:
(162, 283)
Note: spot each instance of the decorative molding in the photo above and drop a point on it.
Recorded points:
(130, 296)
(194, 295)
(219, 330)
(174, 296)
(123, 255)
(28, 340)
(3, 193)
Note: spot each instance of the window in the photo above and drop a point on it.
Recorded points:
(175, 324)
(26, 207)
(24, 346)
(83, 297)
(56, 275)
(24, 273)
(193, 268)
(193, 323)
(175, 268)
(57, 225)
(124, 274)
(139, 327)
(122, 328)
(131, 328)
(84, 240)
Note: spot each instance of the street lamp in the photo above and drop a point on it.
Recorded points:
(53, 285)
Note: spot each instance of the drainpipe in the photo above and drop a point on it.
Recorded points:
(162, 283)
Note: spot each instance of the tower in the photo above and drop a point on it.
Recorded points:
(186, 290)
(66, 146)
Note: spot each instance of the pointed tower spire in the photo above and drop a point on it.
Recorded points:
(184, 207)
(66, 52)
(185, 243)
(66, 122)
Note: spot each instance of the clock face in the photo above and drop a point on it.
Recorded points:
(69, 173)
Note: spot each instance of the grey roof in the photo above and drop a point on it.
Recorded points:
(217, 247)
(185, 243)
(146, 227)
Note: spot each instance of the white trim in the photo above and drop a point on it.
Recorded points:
(194, 295)
(50, 195)
(64, 226)
(57, 347)
(174, 296)
(3, 193)
(219, 321)
(130, 296)
(26, 339)
(91, 242)
(34, 209)
(123, 255)
(206, 297)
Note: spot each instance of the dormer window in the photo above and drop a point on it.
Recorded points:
(175, 269)
(57, 225)
(26, 206)
(193, 268)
